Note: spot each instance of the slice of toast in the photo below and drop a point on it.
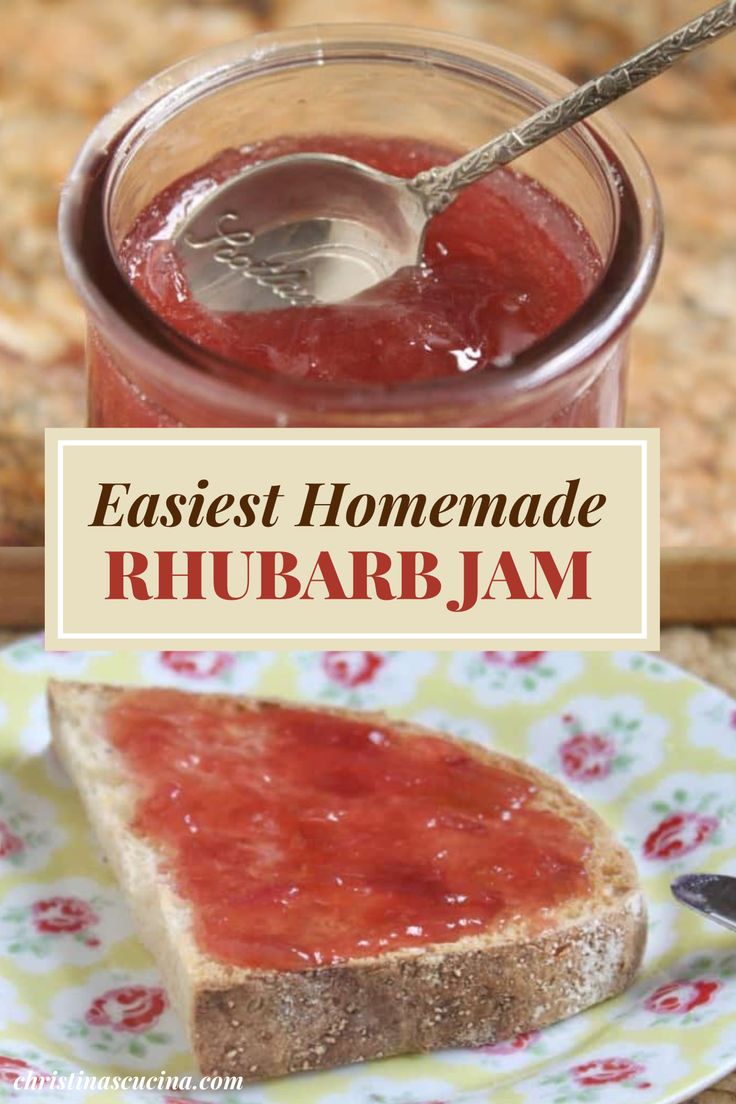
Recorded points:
(513, 976)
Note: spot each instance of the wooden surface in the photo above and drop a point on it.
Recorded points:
(698, 586)
(722, 1093)
(21, 588)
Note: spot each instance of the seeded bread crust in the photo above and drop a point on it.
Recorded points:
(265, 1023)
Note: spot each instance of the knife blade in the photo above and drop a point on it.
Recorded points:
(714, 895)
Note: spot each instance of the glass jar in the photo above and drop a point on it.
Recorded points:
(384, 81)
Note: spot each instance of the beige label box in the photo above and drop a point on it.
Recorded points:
(320, 539)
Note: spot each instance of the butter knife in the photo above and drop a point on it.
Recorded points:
(712, 894)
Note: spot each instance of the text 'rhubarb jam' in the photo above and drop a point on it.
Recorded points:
(303, 839)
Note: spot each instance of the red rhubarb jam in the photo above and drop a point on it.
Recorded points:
(504, 266)
(302, 839)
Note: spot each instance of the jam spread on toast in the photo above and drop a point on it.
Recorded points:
(303, 838)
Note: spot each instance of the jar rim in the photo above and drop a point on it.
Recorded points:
(606, 311)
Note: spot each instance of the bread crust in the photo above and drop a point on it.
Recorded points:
(265, 1023)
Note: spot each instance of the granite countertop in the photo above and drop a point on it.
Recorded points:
(63, 64)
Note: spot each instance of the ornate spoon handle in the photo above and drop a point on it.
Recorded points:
(438, 187)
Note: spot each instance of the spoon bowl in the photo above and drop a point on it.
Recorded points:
(319, 228)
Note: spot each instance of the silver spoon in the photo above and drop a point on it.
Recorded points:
(317, 228)
(714, 895)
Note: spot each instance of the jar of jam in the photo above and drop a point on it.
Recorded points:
(517, 315)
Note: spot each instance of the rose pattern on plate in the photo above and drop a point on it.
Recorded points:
(690, 992)
(678, 997)
(10, 843)
(498, 678)
(713, 721)
(13, 1068)
(64, 914)
(231, 671)
(611, 1071)
(648, 664)
(198, 665)
(514, 660)
(589, 756)
(68, 921)
(599, 744)
(27, 831)
(349, 669)
(597, 1078)
(629, 1073)
(131, 1008)
(679, 833)
(685, 815)
(28, 1062)
(519, 1044)
(362, 679)
(120, 1018)
(28, 655)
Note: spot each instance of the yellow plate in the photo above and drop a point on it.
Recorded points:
(650, 747)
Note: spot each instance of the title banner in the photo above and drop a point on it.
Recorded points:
(317, 538)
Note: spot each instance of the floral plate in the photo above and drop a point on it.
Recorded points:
(650, 747)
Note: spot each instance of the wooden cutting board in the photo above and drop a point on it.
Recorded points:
(698, 587)
(21, 588)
